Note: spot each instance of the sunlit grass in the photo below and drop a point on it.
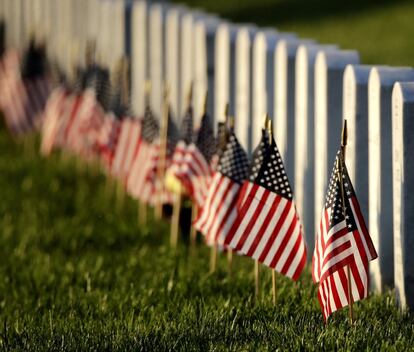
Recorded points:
(381, 30)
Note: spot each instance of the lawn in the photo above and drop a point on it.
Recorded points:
(78, 273)
(381, 30)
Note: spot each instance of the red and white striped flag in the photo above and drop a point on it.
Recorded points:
(185, 139)
(156, 177)
(121, 148)
(52, 115)
(267, 227)
(341, 240)
(219, 212)
(139, 183)
(69, 112)
(21, 100)
(108, 139)
(134, 144)
(83, 132)
(196, 170)
(126, 148)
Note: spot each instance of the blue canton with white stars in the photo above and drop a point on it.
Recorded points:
(272, 174)
(234, 162)
(206, 141)
(258, 155)
(334, 197)
(150, 126)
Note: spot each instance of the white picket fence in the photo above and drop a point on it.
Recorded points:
(308, 88)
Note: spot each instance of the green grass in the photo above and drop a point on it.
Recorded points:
(77, 273)
(381, 30)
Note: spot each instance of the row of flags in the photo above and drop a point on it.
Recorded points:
(244, 204)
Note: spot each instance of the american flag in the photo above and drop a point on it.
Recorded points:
(121, 147)
(69, 112)
(85, 126)
(92, 104)
(108, 139)
(222, 138)
(96, 77)
(267, 227)
(54, 110)
(134, 145)
(24, 92)
(160, 193)
(119, 99)
(60, 111)
(129, 141)
(255, 164)
(138, 184)
(35, 76)
(196, 170)
(117, 121)
(219, 212)
(342, 240)
(186, 138)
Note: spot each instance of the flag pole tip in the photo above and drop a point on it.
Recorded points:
(344, 137)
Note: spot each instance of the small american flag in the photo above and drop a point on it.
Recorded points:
(160, 192)
(256, 162)
(108, 139)
(185, 140)
(133, 146)
(23, 93)
(54, 110)
(129, 141)
(267, 227)
(145, 159)
(86, 123)
(119, 99)
(196, 170)
(96, 77)
(61, 119)
(222, 138)
(35, 76)
(341, 240)
(69, 112)
(120, 149)
(219, 212)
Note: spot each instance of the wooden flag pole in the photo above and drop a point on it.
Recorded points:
(230, 261)
(175, 223)
(162, 156)
(257, 278)
(269, 127)
(341, 162)
(194, 207)
(121, 73)
(142, 208)
(230, 120)
(120, 196)
(125, 93)
(193, 231)
(256, 262)
(90, 52)
(213, 258)
(142, 213)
